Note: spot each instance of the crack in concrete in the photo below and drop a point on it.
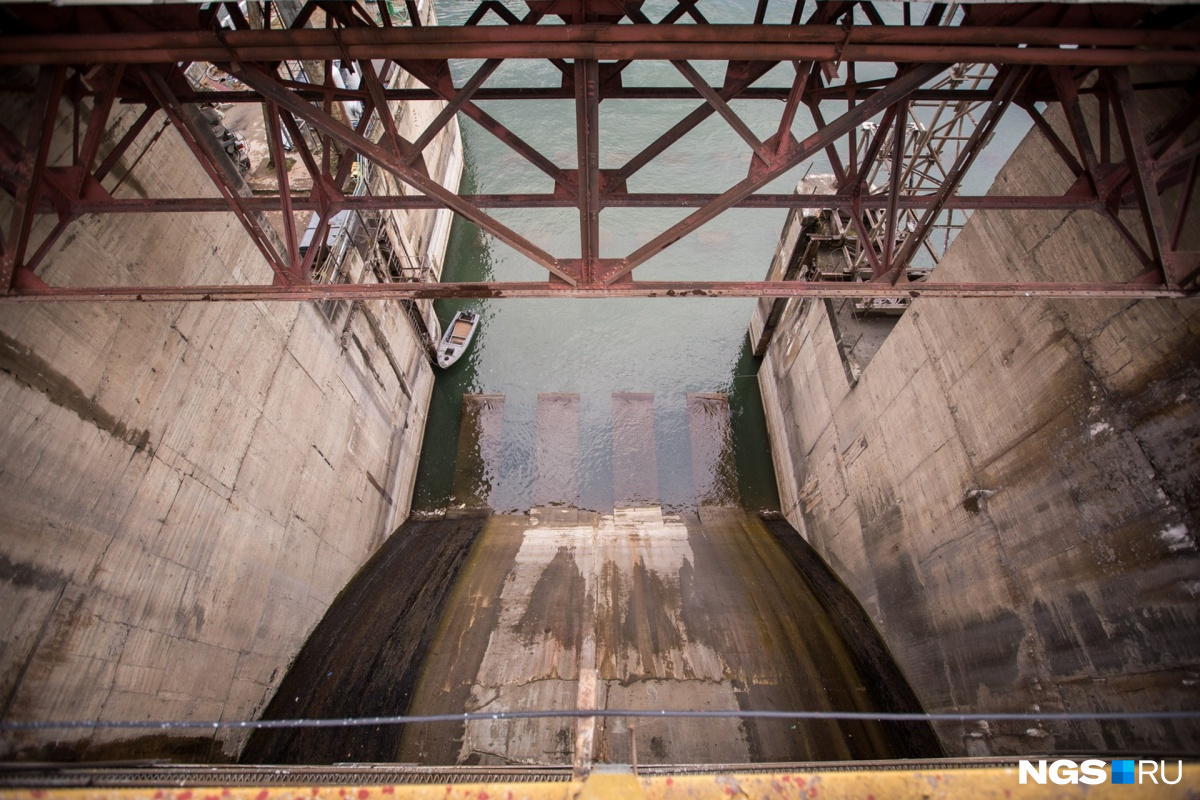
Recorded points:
(33, 651)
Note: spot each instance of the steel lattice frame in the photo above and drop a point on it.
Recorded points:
(1034, 54)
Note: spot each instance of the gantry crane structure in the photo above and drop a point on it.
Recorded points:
(1027, 56)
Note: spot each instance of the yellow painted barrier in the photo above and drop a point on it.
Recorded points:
(892, 784)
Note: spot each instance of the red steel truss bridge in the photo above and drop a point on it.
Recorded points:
(1086, 62)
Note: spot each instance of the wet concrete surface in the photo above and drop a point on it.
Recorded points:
(556, 480)
(707, 609)
(480, 439)
(887, 689)
(367, 653)
(695, 611)
(635, 459)
(714, 473)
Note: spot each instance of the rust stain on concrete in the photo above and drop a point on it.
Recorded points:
(620, 593)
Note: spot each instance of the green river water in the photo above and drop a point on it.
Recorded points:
(669, 347)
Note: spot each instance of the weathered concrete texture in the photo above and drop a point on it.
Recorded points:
(786, 263)
(186, 487)
(365, 657)
(701, 611)
(694, 612)
(887, 687)
(1010, 487)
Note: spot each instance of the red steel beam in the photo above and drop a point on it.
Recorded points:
(154, 137)
(852, 137)
(32, 263)
(1102, 177)
(1185, 200)
(783, 131)
(1049, 56)
(587, 135)
(902, 54)
(666, 289)
(584, 188)
(681, 7)
(517, 144)
(384, 14)
(1055, 140)
(275, 143)
(714, 99)
(851, 180)
(1066, 86)
(320, 188)
(844, 202)
(1105, 127)
(1167, 142)
(460, 100)
(453, 105)
(904, 44)
(414, 14)
(1141, 167)
(396, 143)
(688, 123)
(735, 87)
(760, 12)
(333, 189)
(1135, 246)
(327, 107)
(323, 122)
(608, 91)
(899, 88)
(463, 95)
(1179, 154)
(894, 181)
(37, 141)
(314, 93)
(194, 139)
(97, 124)
(12, 152)
(496, 7)
(885, 124)
(120, 147)
(1009, 83)
(494, 127)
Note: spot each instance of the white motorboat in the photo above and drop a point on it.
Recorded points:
(457, 338)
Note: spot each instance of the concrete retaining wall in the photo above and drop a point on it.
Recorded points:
(1010, 486)
(186, 488)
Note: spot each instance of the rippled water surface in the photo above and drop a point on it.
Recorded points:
(669, 347)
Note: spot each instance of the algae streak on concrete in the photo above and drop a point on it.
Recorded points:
(699, 611)
(365, 657)
(1010, 487)
(186, 487)
(705, 610)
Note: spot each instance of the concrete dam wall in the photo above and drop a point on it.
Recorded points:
(707, 609)
(1010, 486)
(1006, 491)
(187, 487)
